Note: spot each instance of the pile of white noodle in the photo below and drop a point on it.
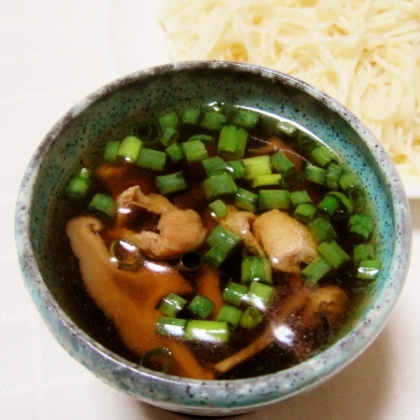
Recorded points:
(364, 53)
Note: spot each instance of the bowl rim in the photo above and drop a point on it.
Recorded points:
(337, 360)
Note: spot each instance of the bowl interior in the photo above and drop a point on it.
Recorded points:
(116, 107)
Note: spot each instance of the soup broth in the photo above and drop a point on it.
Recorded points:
(214, 242)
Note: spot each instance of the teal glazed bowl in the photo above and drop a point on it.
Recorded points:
(165, 88)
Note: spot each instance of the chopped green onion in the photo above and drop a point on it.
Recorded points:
(363, 252)
(234, 293)
(314, 174)
(348, 180)
(229, 314)
(194, 150)
(169, 120)
(170, 135)
(251, 318)
(362, 219)
(333, 254)
(214, 164)
(314, 271)
(236, 168)
(246, 118)
(191, 116)
(111, 151)
(306, 141)
(232, 141)
(287, 128)
(322, 155)
(104, 204)
(205, 138)
(154, 160)
(322, 230)
(329, 205)
(200, 307)
(281, 163)
(216, 256)
(207, 331)
(218, 185)
(346, 205)
(174, 327)
(256, 166)
(212, 120)
(274, 199)
(218, 209)
(126, 253)
(368, 269)
(256, 268)
(359, 233)
(223, 239)
(260, 295)
(175, 153)
(171, 183)
(304, 212)
(130, 148)
(265, 180)
(246, 200)
(332, 176)
(172, 304)
(300, 197)
(78, 186)
(159, 359)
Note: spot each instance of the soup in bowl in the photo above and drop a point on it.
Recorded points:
(212, 237)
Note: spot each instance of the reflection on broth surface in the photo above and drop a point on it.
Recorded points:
(214, 242)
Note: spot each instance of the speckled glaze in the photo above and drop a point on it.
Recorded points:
(165, 88)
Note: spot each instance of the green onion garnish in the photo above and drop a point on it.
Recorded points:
(175, 153)
(170, 135)
(174, 327)
(246, 200)
(191, 116)
(246, 118)
(251, 318)
(235, 293)
(333, 254)
(218, 209)
(214, 164)
(274, 199)
(363, 252)
(129, 148)
(229, 314)
(111, 151)
(322, 229)
(104, 204)
(314, 174)
(232, 142)
(368, 269)
(154, 160)
(169, 120)
(194, 150)
(314, 271)
(212, 120)
(218, 185)
(300, 197)
(172, 304)
(207, 331)
(259, 295)
(322, 155)
(223, 239)
(200, 307)
(171, 183)
(256, 268)
(304, 212)
(159, 359)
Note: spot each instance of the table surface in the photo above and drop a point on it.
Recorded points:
(52, 54)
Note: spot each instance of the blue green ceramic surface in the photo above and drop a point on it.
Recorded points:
(160, 89)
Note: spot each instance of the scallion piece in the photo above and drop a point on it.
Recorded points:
(363, 252)
(159, 359)
(314, 271)
(322, 155)
(172, 304)
(205, 138)
(78, 186)
(218, 209)
(368, 269)
(274, 199)
(256, 166)
(300, 197)
(359, 233)
(200, 307)
(281, 163)
(346, 205)
(154, 160)
(223, 239)
(170, 326)
(314, 174)
(170, 135)
(287, 128)
(191, 116)
(259, 295)
(175, 153)
(111, 151)
(322, 230)
(251, 318)
(130, 148)
(246, 118)
(266, 180)
(207, 331)
(236, 168)
(104, 204)
(215, 256)
(245, 200)
(214, 164)
(168, 184)
(229, 314)
(194, 150)
(333, 254)
(361, 226)
(170, 119)
(329, 205)
(348, 180)
(218, 185)
(232, 142)
(234, 293)
(332, 176)
(256, 268)
(304, 212)
(212, 120)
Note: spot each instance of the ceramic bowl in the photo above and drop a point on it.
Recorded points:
(163, 88)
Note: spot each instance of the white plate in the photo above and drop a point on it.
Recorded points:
(133, 40)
